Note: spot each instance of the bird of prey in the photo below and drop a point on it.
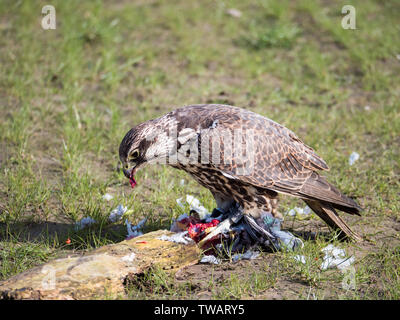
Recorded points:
(241, 157)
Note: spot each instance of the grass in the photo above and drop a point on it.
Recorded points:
(68, 96)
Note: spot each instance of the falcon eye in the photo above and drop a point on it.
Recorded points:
(134, 155)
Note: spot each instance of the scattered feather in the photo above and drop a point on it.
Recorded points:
(300, 258)
(353, 158)
(194, 204)
(248, 255)
(117, 213)
(180, 237)
(335, 257)
(299, 211)
(134, 231)
(234, 12)
(107, 197)
(210, 259)
(83, 223)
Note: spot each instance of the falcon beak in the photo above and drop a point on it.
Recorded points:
(129, 171)
(130, 174)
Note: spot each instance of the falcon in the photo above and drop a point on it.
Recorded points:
(241, 157)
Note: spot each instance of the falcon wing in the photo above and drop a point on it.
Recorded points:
(273, 157)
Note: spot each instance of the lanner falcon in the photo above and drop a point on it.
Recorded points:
(241, 157)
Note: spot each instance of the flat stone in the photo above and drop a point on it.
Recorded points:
(101, 272)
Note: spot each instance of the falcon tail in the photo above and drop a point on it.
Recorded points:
(317, 188)
(327, 213)
(323, 198)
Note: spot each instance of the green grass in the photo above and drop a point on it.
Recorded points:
(17, 256)
(68, 96)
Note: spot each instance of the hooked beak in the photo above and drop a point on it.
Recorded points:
(127, 172)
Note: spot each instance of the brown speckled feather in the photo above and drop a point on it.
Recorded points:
(277, 161)
(282, 162)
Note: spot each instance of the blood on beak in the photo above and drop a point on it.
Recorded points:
(130, 175)
(132, 181)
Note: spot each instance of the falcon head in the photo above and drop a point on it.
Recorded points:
(143, 144)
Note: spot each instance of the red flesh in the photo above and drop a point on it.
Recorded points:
(195, 230)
